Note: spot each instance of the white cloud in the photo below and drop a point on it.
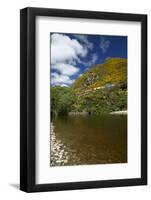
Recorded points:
(65, 69)
(84, 39)
(65, 54)
(92, 61)
(59, 79)
(72, 62)
(64, 49)
(94, 58)
(104, 45)
(64, 85)
(80, 75)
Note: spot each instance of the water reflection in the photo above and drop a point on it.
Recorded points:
(84, 140)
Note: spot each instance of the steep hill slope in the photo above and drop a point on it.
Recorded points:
(112, 72)
(103, 88)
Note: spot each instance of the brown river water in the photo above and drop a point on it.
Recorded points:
(83, 140)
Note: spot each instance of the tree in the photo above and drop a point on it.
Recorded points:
(62, 100)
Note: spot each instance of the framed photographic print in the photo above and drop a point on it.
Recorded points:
(83, 95)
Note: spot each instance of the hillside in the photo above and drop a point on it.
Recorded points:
(100, 90)
(112, 72)
(103, 88)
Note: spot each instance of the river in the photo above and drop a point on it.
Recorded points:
(82, 140)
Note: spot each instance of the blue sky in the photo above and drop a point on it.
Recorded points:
(73, 54)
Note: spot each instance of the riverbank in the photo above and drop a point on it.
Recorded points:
(121, 112)
(78, 113)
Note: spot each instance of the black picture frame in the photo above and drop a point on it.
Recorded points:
(28, 98)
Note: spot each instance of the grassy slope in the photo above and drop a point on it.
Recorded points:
(113, 71)
(91, 90)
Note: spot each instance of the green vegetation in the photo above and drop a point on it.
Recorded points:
(102, 89)
(62, 100)
(103, 101)
(113, 71)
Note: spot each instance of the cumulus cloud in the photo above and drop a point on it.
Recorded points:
(65, 54)
(65, 49)
(104, 44)
(59, 79)
(65, 69)
(84, 40)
